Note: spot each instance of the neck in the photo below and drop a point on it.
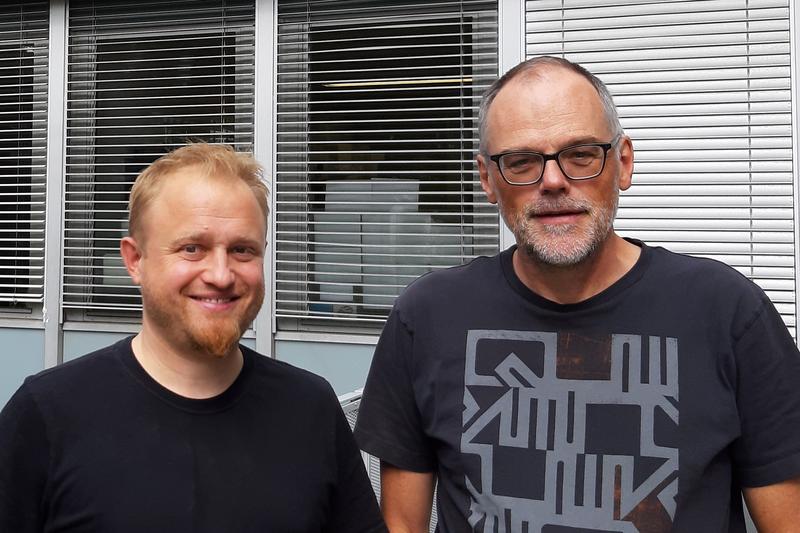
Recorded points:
(187, 373)
(576, 283)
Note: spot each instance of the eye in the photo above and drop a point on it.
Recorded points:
(520, 162)
(243, 253)
(191, 251)
(582, 155)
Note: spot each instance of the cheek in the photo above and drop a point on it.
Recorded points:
(605, 197)
(251, 273)
(180, 273)
(511, 199)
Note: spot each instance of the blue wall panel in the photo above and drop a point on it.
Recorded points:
(22, 355)
(78, 343)
(345, 366)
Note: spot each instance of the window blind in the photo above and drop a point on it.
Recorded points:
(145, 77)
(377, 105)
(703, 89)
(23, 134)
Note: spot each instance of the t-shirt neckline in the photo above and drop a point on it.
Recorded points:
(628, 279)
(214, 404)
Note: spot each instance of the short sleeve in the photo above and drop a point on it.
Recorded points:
(389, 424)
(768, 399)
(24, 456)
(354, 507)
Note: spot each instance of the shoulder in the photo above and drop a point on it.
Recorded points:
(86, 369)
(701, 273)
(442, 285)
(61, 394)
(281, 379)
(707, 285)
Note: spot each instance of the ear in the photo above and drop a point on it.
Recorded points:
(131, 253)
(625, 148)
(483, 170)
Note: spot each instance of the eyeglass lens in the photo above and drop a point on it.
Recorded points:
(578, 162)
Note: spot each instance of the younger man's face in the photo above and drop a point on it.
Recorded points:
(200, 262)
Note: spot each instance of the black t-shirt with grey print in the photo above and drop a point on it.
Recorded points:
(644, 408)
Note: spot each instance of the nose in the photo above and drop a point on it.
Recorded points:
(553, 179)
(217, 270)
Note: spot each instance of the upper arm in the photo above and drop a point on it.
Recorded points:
(353, 507)
(24, 455)
(767, 451)
(406, 499)
(390, 425)
(775, 508)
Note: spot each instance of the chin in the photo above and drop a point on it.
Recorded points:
(219, 337)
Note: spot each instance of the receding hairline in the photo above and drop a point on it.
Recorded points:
(209, 175)
(536, 69)
(210, 161)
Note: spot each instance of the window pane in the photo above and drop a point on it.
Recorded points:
(23, 132)
(144, 78)
(704, 90)
(377, 131)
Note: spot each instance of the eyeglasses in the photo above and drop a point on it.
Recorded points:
(579, 162)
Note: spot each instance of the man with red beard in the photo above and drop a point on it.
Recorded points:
(181, 428)
(580, 381)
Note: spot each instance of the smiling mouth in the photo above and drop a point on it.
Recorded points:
(214, 300)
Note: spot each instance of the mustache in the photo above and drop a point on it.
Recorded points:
(546, 206)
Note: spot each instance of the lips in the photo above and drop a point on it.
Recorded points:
(562, 211)
(216, 303)
(214, 300)
(565, 213)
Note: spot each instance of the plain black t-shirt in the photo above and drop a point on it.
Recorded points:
(96, 445)
(644, 408)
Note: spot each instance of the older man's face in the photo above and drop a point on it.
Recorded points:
(200, 264)
(557, 221)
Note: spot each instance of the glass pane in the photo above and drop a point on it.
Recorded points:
(377, 127)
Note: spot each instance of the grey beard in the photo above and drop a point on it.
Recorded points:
(560, 245)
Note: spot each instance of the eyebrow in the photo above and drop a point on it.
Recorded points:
(191, 237)
(202, 236)
(586, 139)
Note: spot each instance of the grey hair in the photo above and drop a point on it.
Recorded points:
(532, 67)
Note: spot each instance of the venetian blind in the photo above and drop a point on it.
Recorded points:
(376, 133)
(23, 136)
(703, 89)
(145, 76)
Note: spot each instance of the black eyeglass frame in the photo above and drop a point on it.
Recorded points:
(554, 156)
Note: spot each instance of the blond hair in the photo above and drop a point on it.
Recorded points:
(214, 160)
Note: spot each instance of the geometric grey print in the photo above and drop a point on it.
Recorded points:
(570, 431)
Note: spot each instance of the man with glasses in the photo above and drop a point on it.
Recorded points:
(580, 381)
